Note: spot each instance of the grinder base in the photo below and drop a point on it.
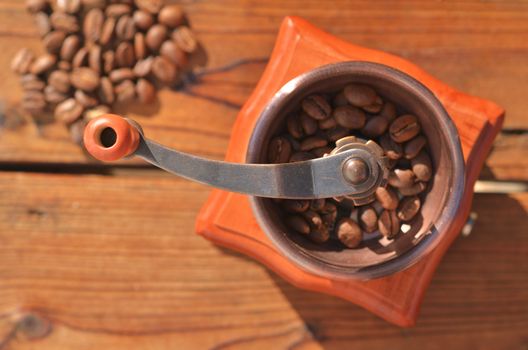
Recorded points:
(227, 218)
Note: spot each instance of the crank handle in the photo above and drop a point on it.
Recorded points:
(353, 169)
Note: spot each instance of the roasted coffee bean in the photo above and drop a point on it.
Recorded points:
(317, 204)
(164, 70)
(368, 219)
(375, 107)
(319, 234)
(143, 67)
(312, 142)
(118, 10)
(64, 65)
(91, 4)
(43, 63)
(360, 95)
(298, 224)
(308, 125)
(173, 53)
(84, 79)
(60, 80)
(145, 91)
(389, 224)
(336, 133)
(279, 150)
(401, 178)
(416, 188)
(301, 156)
(53, 41)
(108, 61)
(32, 82)
(404, 128)
(34, 6)
(313, 219)
(107, 32)
(316, 107)
(392, 149)
(143, 20)
(349, 117)
(294, 126)
(375, 126)
(421, 166)
(172, 16)
(68, 111)
(340, 100)
(408, 208)
(118, 75)
(95, 58)
(81, 58)
(349, 233)
(53, 96)
(69, 6)
(151, 6)
(156, 35)
(125, 91)
(93, 24)
(124, 55)
(34, 100)
(387, 198)
(70, 47)
(64, 22)
(43, 23)
(329, 220)
(329, 123)
(125, 28)
(77, 131)
(140, 48)
(388, 111)
(414, 146)
(21, 63)
(296, 145)
(85, 99)
(295, 205)
(106, 91)
(185, 39)
(95, 112)
(321, 151)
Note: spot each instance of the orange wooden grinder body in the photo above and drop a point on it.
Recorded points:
(227, 218)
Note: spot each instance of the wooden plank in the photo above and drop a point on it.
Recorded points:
(118, 266)
(476, 47)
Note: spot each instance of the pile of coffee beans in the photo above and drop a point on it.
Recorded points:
(102, 52)
(311, 131)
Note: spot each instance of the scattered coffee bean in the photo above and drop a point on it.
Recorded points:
(329, 123)
(151, 6)
(408, 208)
(156, 35)
(53, 41)
(375, 126)
(360, 95)
(392, 149)
(368, 219)
(388, 111)
(413, 190)
(60, 80)
(421, 166)
(85, 79)
(43, 63)
(70, 47)
(309, 125)
(389, 224)
(172, 16)
(43, 23)
(143, 20)
(68, 111)
(22, 61)
(312, 142)
(349, 117)
(185, 39)
(145, 91)
(316, 107)
(404, 128)
(64, 22)
(35, 6)
(125, 91)
(298, 224)
(414, 146)
(387, 198)
(319, 234)
(164, 70)
(279, 150)
(348, 232)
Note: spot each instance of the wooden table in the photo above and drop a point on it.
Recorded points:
(105, 257)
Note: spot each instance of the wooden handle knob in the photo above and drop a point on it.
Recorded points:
(110, 137)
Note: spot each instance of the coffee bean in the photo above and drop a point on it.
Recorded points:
(340, 100)
(60, 80)
(53, 42)
(408, 208)
(91, 4)
(185, 39)
(68, 111)
(368, 219)
(298, 224)
(336, 133)
(173, 53)
(69, 47)
(295, 206)
(106, 91)
(389, 224)
(309, 125)
(109, 62)
(64, 22)
(21, 63)
(313, 219)
(413, 190)
(301, 156)
(125, 28)
(312, 142)
(43, 63)
(34, 100)
(349, 233)
(401, 178)
(84, 79)
(319, 234)
(151, 6)
(172, 16)
(316, 107)
(388, 111)
(64, 65)
(107, 32)
(375, 107)
(32, 82)
(143, 20)
(85, 99)
(360, 95)
(321, 151)
(125, 91)
(296, 144)
(93, 24)
(325, 124)
(144, 67)
(294, 126)
(80, 58)
(118, 75)
(349, 117)
(414, 146)
(404, 128)
(329, 220)
(164, 70)
(375, 126)
(124, 55)
(95, 112)
(95, 59)
(34, 6)
(421, 166)
(53, 96)
(117, 10)
(77, 131)
(392, 149)
(43, 23)
(279, 150)
(146, 92)
(387, 198)
(69, 6)
(156, 35)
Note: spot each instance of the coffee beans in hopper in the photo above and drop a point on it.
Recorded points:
(311, 131)
(102, 52)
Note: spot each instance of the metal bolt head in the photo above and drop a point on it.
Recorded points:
(356, 171)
